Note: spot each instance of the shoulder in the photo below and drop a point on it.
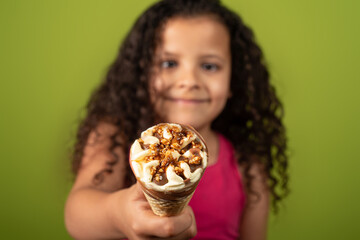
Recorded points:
(255, 173)
(98, 142)
(100, 156)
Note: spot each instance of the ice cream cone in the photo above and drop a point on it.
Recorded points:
(168, 162)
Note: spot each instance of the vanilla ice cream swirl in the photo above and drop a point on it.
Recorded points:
(169, 157)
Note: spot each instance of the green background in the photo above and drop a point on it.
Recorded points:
(54, 53)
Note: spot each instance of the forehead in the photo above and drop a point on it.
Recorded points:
(199, 34)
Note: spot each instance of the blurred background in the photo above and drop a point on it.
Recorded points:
(54, 53)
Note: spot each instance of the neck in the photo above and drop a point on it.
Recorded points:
(206, 133)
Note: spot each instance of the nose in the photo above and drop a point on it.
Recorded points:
(188, 78)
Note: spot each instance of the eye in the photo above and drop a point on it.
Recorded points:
(168, 64)
(210, 67)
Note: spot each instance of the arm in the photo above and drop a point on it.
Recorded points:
(255, 216)
(110, 211)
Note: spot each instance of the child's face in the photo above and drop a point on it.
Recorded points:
(193, 68)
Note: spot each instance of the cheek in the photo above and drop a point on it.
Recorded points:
(156, 95)
(156, 88)
(160, 85)
(221, 89)
(220, 93)
(220, 98)
(157, 85)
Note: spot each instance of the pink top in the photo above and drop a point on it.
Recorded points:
(219, 199)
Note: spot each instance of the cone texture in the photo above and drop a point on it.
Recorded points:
(167, 208)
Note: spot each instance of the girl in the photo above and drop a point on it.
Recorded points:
(189, 62)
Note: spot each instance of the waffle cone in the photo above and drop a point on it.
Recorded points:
(167, 208)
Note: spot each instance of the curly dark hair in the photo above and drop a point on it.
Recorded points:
(251, 119)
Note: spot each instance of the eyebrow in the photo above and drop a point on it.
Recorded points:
(213, 56)
(169, 54)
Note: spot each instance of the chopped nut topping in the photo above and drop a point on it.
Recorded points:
(166, 150)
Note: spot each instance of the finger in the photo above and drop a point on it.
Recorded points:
(187, 234)
(191, 231)
(167, 227)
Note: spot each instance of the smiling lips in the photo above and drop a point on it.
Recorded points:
(187, 101)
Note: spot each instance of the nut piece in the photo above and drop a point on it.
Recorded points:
(165, 141)
(178, 170)
(196, 160)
